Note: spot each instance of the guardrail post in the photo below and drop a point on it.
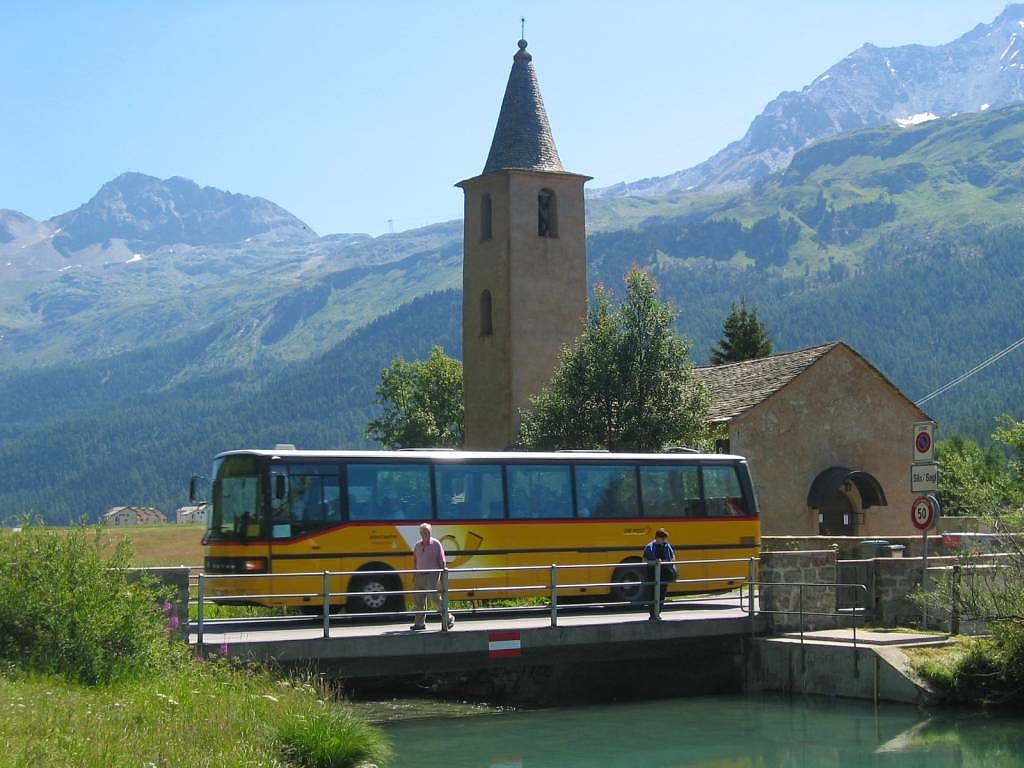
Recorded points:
(954, 601)
(803, 650)
(751, 575)
(554, 595)
(800, 605)
(656, 595)
(856, 656)
(444, 600)
(199, 610)
(327, 604)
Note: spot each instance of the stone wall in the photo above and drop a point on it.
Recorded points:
(890, 583)
(852, 547)
(895, 581)
(785, 602)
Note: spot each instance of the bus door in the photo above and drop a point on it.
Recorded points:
(470, 504)
(305, 500)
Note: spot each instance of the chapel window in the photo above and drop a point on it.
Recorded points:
(547, 214)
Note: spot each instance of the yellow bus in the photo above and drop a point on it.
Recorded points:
(289, 511)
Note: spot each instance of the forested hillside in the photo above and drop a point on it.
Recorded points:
(120, 450)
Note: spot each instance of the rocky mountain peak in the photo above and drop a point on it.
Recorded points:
(904, 85)
(151, 212)
(10, 222)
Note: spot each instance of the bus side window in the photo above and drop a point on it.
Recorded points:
(313, 501)
(470, 492)
(358, 501)
(722, 492)
(388, 491)
(539, 492)
(670, 491)
(607, 491)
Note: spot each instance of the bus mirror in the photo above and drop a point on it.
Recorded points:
(279, 487)
(193, 489)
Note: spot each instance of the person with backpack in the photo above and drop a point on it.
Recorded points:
(658, 554)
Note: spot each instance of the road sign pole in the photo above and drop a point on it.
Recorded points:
(924, 579)
(924, 513)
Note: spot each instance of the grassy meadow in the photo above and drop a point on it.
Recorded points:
(155, 545)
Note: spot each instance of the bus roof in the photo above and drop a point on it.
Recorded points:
(455, 456)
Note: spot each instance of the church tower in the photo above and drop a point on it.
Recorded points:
(524, 273)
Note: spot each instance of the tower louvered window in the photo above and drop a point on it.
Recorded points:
(547, 214)
(486, 322)
(486, 216)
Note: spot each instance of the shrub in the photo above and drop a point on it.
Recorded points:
(330, 737)
(67, 609)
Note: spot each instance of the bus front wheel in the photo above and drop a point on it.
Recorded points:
(371, 597)
(628, 581)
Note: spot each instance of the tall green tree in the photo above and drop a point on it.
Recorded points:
(974, 480)
(421, 403)
(1010, 433)
(986, 482)
(626, 383)
(744, 336)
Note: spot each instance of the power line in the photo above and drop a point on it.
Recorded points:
(964, 376)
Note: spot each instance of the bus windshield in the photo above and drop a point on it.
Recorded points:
(236, 498)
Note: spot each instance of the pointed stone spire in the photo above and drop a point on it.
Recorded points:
(522, 138)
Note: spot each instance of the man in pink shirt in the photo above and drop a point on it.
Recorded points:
(427, 557)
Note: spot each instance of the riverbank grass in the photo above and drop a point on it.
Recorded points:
(202, 714)
(91, 675)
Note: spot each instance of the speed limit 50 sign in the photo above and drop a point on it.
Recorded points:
(923, 512)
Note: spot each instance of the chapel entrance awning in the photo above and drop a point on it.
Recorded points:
(831, 480)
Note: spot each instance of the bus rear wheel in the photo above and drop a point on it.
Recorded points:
(628, 581)
(371, 598)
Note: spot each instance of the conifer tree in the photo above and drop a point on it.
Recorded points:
(743, 337)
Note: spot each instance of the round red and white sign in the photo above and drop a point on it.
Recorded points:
(922, 513)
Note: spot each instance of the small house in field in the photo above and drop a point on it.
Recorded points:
(828, 437)
(133, 516)
(192, 513)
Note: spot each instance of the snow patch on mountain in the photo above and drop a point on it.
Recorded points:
(921, 117)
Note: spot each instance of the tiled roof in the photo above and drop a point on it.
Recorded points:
(522, 138)
(738, 387)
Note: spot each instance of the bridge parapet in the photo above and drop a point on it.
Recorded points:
(791, 596)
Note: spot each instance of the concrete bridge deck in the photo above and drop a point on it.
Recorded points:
(482, 640)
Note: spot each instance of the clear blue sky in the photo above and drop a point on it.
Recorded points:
(351, 114)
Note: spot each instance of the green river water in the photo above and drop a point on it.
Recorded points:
(708, 732)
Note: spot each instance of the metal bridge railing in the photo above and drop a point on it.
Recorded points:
(858, 613)
(552, 581)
